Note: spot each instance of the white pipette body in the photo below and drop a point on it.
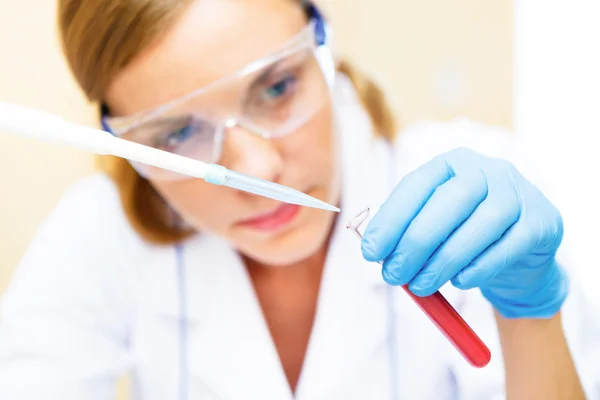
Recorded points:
(52, 128)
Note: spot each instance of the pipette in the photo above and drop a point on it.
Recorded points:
(52, 128)
(440, 312)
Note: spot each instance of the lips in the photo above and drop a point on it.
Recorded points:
(274, 220)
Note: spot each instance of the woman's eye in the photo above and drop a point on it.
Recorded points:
(279, 89)
(177, 137)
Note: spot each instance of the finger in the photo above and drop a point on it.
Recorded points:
(485, 226)
(450, 205)
(405, 202)
(513, 245)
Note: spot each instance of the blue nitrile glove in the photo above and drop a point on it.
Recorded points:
(475, 221)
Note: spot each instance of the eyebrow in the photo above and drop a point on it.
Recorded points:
(270, 70)
(163, 121)
(263, 76)
(159, 121)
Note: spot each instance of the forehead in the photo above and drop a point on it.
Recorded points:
(213, 39)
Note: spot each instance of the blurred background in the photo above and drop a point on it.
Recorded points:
(531, 66)
(437, 60)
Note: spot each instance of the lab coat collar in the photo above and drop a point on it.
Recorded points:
(230, 347)
(351, 317)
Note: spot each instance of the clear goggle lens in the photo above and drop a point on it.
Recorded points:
(271, 100)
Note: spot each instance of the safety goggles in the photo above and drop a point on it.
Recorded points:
(271, 97)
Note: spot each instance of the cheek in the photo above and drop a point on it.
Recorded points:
(319, 132)
(204, 206)
(310, 153)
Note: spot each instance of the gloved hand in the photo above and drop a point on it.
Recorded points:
(475, 221)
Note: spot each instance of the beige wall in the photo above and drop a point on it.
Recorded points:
(438, 59)
(33, 175)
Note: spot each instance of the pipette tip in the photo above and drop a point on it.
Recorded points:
(309, 201)
(329, 207)
(261, 187)
(306, 200)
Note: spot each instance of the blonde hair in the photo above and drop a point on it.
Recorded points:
(100, 37)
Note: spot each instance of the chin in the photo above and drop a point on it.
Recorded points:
(290, 247)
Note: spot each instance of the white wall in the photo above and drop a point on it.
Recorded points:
(557, 112)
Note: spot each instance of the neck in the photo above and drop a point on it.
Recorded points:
(310, 268)
(288, 297)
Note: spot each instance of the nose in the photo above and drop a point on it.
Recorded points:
(249, 153)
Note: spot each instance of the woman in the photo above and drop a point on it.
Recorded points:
(203, 292)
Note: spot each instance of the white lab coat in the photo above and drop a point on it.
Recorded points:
(91, 301)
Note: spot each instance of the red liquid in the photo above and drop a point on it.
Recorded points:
(441, 313)
(456, 330)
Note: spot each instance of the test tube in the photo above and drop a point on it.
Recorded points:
(440, 312)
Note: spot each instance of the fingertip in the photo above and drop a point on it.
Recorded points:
(456, 282)
(379, 238)
(391, 276)
(425, 283)
(385, 274)
(421, 290)
(369, 249)
(459, 282)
